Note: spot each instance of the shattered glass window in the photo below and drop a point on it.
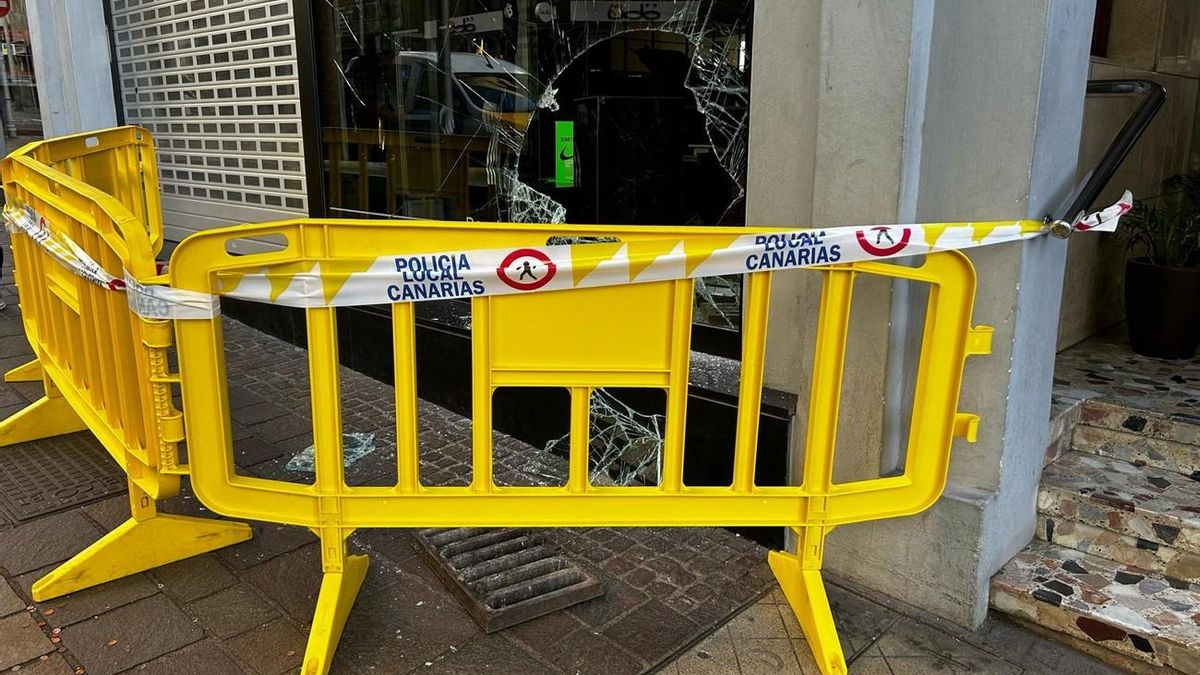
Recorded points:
(563, 111)
(553, 111)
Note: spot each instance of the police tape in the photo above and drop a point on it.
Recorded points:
(62, 248)
(606, 261)
(146, 300)
(505, 271)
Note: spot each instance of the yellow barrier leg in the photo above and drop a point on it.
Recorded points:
(343, 577)
(145, 541)
(800, 578)
(48, 416)
(29, 372)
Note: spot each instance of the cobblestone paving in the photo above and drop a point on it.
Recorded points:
(246, 609)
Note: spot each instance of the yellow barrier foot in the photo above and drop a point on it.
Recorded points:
(44, 418)
(805, 592)
(136, 546)
(29, 372)
(338, 590)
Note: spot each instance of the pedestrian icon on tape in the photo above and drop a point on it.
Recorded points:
(526, 269)
(878, 248)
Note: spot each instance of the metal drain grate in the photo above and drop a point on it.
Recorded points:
(505, 577)
(42, 477)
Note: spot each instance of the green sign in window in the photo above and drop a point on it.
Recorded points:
(564, 154)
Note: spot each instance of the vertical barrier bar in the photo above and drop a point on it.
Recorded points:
(326, 399)
(826, 392)
(677, 389)
(754, 345)
(481, 395)
(405, 378)
(581, 400)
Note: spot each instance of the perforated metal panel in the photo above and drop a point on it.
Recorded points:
(216, 82)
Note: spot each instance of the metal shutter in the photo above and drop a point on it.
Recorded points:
(215, 82)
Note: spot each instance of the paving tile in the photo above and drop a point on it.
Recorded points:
(766, 656)
(192, 578)
(393, 543)
(760, 620)
(488, 654)
(89, 602)
(915, 646)
(713, 656)
(654, 631)
(255, 413)
(205, 657)
(45, 540)
(274, 648)
(1003, 639)
(859, 621)
(401, 627)
(48, 664)
(1049, 657)
(282, 428)
(302, 570)
(618, 599)
(21, 640)
(543, 634)
(143, 631)
(232, 611)
(10, 602)
(110, 512)
(586, 653)
(269, 541)
(874, 663)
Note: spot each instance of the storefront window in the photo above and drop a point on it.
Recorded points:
(564, 111)
(18, 87)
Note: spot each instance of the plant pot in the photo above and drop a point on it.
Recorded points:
(1162, 308)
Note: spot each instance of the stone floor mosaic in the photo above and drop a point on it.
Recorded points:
(1158, 507)
(1105, 369)
(1098, 600)
(1116, 563)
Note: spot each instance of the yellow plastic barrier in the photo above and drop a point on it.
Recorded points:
(104, 368)
(634, 335)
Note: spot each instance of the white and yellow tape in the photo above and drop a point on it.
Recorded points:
(464, 274)
(396, 278)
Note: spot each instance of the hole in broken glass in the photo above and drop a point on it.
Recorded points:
(625, 444)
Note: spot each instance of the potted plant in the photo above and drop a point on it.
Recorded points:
(1162, 274)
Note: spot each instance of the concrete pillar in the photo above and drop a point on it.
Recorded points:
(935, 111)
(72, 61)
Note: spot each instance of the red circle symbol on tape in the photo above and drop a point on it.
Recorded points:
(526, 269)
(884, 243)
(5, 6)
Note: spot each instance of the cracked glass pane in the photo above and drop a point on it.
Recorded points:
(625, 446)
(571, 111)
(550, 111)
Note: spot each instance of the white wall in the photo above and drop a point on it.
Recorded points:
(71, 57)
(926, 109)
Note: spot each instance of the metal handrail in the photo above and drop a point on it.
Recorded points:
(1153, 95)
